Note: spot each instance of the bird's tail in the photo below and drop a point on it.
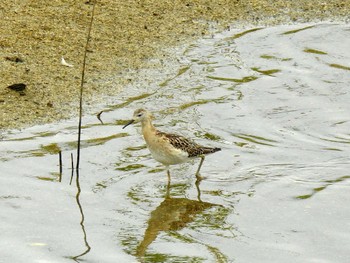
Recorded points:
(208, 150)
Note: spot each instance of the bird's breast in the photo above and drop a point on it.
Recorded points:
(163, 151)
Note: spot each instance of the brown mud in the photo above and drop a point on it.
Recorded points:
(35, 35)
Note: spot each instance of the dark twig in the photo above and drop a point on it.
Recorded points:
(60, 164)
(72, 162)
(82, 84)
(99, 117)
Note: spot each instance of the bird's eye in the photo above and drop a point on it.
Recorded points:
(139, 115)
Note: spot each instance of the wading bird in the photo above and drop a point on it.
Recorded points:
(168, 148)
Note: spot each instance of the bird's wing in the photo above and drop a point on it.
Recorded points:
(193, 149)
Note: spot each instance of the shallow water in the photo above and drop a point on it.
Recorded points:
(275, 100)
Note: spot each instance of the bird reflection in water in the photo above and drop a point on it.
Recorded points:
(172, 214)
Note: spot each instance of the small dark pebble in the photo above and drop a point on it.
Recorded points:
(17, 87)
(15, 59)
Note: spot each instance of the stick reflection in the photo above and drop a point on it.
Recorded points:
(77, 198)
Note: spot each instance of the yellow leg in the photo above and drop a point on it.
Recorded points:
(169, 181)
(198, 190)
(199, 167)
(168, 174)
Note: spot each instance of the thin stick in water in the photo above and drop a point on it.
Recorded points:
(60, 164)
(99, 117)
(72, 163)
(82, 84)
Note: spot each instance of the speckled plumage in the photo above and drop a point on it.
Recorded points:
(193, 149)
(168, 148)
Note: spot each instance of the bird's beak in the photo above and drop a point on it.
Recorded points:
(130, 122)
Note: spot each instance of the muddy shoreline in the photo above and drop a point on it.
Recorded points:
(126, 35)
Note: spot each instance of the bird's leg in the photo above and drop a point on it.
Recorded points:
(168, 185)
(198, 190)
(168, 173)
(199, 178)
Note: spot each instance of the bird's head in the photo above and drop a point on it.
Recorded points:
(140, 115)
